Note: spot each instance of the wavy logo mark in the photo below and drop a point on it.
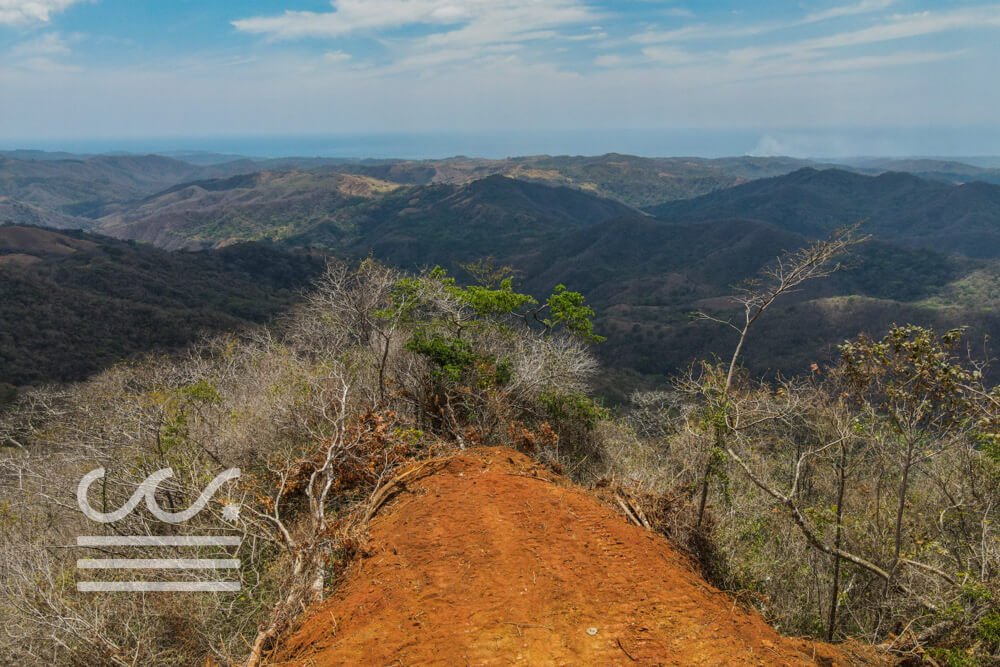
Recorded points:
(147, 490)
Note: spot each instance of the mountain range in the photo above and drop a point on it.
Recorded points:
(647, 240)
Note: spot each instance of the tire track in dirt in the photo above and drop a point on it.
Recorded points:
(495, 561)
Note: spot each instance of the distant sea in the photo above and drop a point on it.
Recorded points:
(815, 143)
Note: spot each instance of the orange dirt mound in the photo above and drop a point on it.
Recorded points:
(493, 560)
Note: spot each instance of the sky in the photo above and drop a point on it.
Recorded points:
(817, 78)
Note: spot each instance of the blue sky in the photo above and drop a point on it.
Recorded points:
(816, 77)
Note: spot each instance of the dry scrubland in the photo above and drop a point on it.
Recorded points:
(859, 502)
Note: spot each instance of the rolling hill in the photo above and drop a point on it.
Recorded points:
(249, 207)
(646, 276)
(951, 171)
(317, 200)
(359, 214)
(894, 206)
(493, 217)
(631, 180)
(84, 187)
(74, 302)
(95, 186)
(14, 212)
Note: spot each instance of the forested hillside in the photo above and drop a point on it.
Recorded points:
(74, 303)
(896, 207)
(248, 207)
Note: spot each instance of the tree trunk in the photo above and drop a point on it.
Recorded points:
(835, 587)
(720, 440)
(306, 588)
(904, 482)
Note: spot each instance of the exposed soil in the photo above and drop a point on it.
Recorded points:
(493, 560)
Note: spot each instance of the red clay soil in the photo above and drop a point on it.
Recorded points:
(493, 560)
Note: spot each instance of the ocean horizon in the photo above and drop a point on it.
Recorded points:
(708, 143)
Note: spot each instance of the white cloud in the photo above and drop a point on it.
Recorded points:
(42, 54)
(913, 25)
(813, 66)
(863, 7)
(16, 12)
(700, 31)
(478, 65)
(721, 32)
(609, 60)
(353, 16)
(669, 56)
(679, 11)
(465, 30)
(296, 92)
(833, 52)
(336, 57)
(897, 27)
(587, 37)
(48, 45)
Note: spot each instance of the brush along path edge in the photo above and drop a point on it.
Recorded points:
(493, 560)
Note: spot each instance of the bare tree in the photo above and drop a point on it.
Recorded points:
(755, 298)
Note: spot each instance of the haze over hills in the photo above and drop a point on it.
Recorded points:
(248, 207)
(14, 212)
(84, 187)
(963, 170)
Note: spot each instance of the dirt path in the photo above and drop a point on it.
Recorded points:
(495, 561)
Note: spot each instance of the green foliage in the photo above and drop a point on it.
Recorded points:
(575, 407)
(452, 356)
(569, 310)
(497, 305)
(493, 302)
(885, 271)
(405, 299)
(989, 631)
(954, 657)
(455, 358)
(202, 391)
(991, 445)
(173, 431)
(912, 374)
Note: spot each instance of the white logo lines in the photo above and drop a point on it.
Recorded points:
(147, 490)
